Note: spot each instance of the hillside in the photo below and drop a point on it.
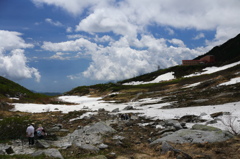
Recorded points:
(9, 88)
(227, 52)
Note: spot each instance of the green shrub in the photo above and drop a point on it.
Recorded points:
(13, 127)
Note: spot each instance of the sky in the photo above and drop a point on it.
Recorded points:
(57, 45)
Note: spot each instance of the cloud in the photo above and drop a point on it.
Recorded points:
(14, 66)
(126, 57)
(74, 7)
(13, 63)
(199, 36)
(170, 31)
(73, 45)
(55, 23)
(60, 56)
(11, 40)
(69, 30)
(136, 50)
(129, 17)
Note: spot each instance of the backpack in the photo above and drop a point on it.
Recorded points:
(39, 133)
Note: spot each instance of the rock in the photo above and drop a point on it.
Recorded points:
(168, 129)
(6, 149)
(117, 137)
(89, 148)
(193, 136)
(205, 128)
(203, 114)
(42, 144)
(166, 147)
(103, 146)
(190, 119)
(2, 152)
(212, 122)
(214, 115)
(56, 127)
(173, 123)
(49, 152)
(90, 134)
(217, 114)
(128, 108)
(115, 110)
(124, 116)
(59, 125)
(101, 110)
(178, 153)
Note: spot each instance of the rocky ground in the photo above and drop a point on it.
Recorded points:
(120, 139)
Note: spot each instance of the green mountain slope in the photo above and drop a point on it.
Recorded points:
(227, 52)
(9, 88)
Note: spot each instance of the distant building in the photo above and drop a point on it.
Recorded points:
(204, 60)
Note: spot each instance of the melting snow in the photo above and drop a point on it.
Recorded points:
(163, 77)
(214, 69)
(232, 81)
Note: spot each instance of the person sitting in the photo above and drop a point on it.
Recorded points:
(40, 132)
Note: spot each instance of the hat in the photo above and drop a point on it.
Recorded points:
(32, 124)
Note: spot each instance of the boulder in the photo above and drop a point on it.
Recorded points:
(193, 136)
(6, 149)
(178, 153)
(205, 128)
(214, 115)
(128, 108)
(90, 148)
(42, 144)
(189, 119)
(115, 110)
(168, 129)
(49, 152)
(102, 146)
(173, 123)
(217, 114)
(90, 134)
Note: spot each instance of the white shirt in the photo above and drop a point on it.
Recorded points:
(30, 131)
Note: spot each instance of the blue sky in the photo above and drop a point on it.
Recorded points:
(57, 45)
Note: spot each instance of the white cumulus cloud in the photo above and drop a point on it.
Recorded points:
(13, 62)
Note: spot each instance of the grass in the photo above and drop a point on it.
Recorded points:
(24, 157)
